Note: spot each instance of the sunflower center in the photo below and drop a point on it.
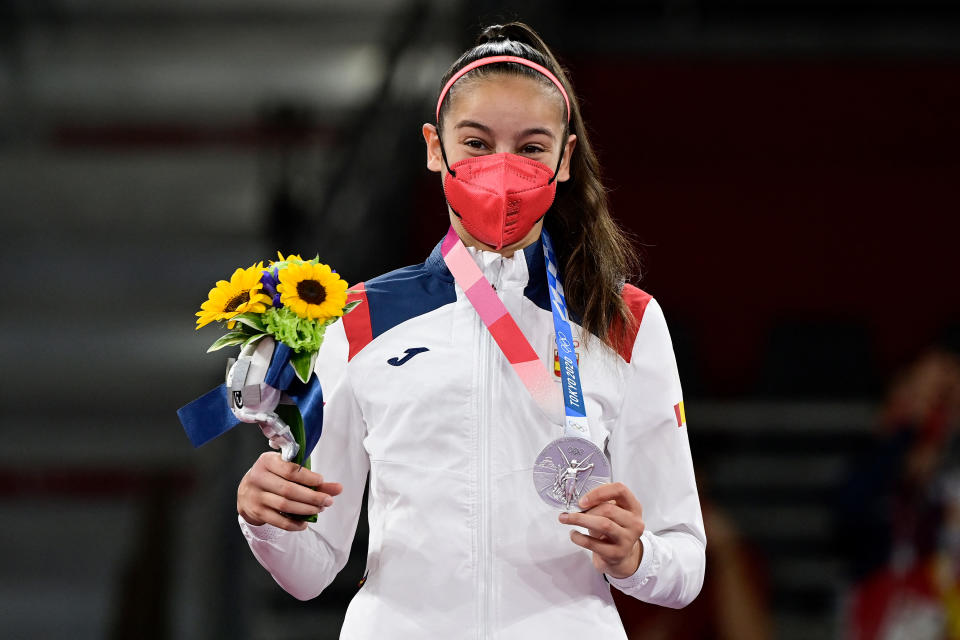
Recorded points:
(311, 292)
(237, 301)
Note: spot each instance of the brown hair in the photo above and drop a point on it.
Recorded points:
(595, 256)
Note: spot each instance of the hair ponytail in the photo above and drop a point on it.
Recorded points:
(518, 32)
(595, 256)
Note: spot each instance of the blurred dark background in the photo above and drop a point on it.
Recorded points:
(789, 170)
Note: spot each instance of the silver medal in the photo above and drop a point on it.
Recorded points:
(567, 469)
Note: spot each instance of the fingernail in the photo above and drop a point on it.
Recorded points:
(583, 503)
(327, 502)
(564, 517)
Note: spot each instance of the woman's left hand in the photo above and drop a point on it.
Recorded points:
(614, 518)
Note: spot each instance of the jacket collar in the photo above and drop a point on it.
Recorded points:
(536, 287)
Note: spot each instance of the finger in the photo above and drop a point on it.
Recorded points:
(331, 488)
(286, 505)
(287, 524)
(629, 520)
(267, 480)
(314, 481)
(600, 547)
(615, 491)
(273, 517)
(599, 526)
(322, 494)
(291, 470)
(302, 475)
(295, 492)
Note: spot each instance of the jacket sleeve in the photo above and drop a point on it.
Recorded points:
(305, 562)
(650, 453)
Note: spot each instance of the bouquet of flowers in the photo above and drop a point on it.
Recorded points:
(278, 315)
(294, 300)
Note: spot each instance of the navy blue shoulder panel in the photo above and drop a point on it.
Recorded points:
(536, 290)
(406, 293)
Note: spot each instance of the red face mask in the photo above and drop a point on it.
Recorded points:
(501, 196)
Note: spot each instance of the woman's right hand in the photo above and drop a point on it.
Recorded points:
(273, 485)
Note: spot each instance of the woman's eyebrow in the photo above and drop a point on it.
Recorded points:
(523, 134)
(536, 131)
(476, 125)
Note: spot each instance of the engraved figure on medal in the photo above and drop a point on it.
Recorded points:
(568, 468)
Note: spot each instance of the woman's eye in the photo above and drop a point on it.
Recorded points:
(474, 144)
(532, 148)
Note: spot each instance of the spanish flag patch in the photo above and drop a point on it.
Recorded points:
(681, 416)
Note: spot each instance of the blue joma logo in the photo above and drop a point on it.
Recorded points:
(409, 354)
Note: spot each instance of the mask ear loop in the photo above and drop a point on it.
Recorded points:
(563, 149)
(443, 152)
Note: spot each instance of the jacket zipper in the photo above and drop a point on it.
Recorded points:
(482, 489)
(484, 482)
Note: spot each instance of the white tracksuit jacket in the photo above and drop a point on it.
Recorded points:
(461, 546)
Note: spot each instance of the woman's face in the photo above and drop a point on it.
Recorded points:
(497, 114)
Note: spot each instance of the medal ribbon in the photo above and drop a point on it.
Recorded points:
(514, 345)
(573, 401)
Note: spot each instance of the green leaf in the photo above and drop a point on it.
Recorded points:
(290, 414)
(350, 306)
(303, 364)
(228, 340)
(254, 338)
(252, 320)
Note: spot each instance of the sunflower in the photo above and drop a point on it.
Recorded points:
(312, 291)
(293, 257)
(241, 294)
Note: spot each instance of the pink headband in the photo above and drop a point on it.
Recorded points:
(492, 59)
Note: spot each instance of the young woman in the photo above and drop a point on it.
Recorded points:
(430, 396)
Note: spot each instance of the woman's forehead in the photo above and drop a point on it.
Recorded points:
(506, 99)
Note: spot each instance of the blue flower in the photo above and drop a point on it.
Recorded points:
(269, 280)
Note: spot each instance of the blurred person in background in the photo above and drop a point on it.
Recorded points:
(899, 513)
(460, 545)
(734, 602)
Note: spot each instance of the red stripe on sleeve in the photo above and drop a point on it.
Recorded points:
(636, 300)
(356, 324)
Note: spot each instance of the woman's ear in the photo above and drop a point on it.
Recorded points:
(434, 155)
(564, 174)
